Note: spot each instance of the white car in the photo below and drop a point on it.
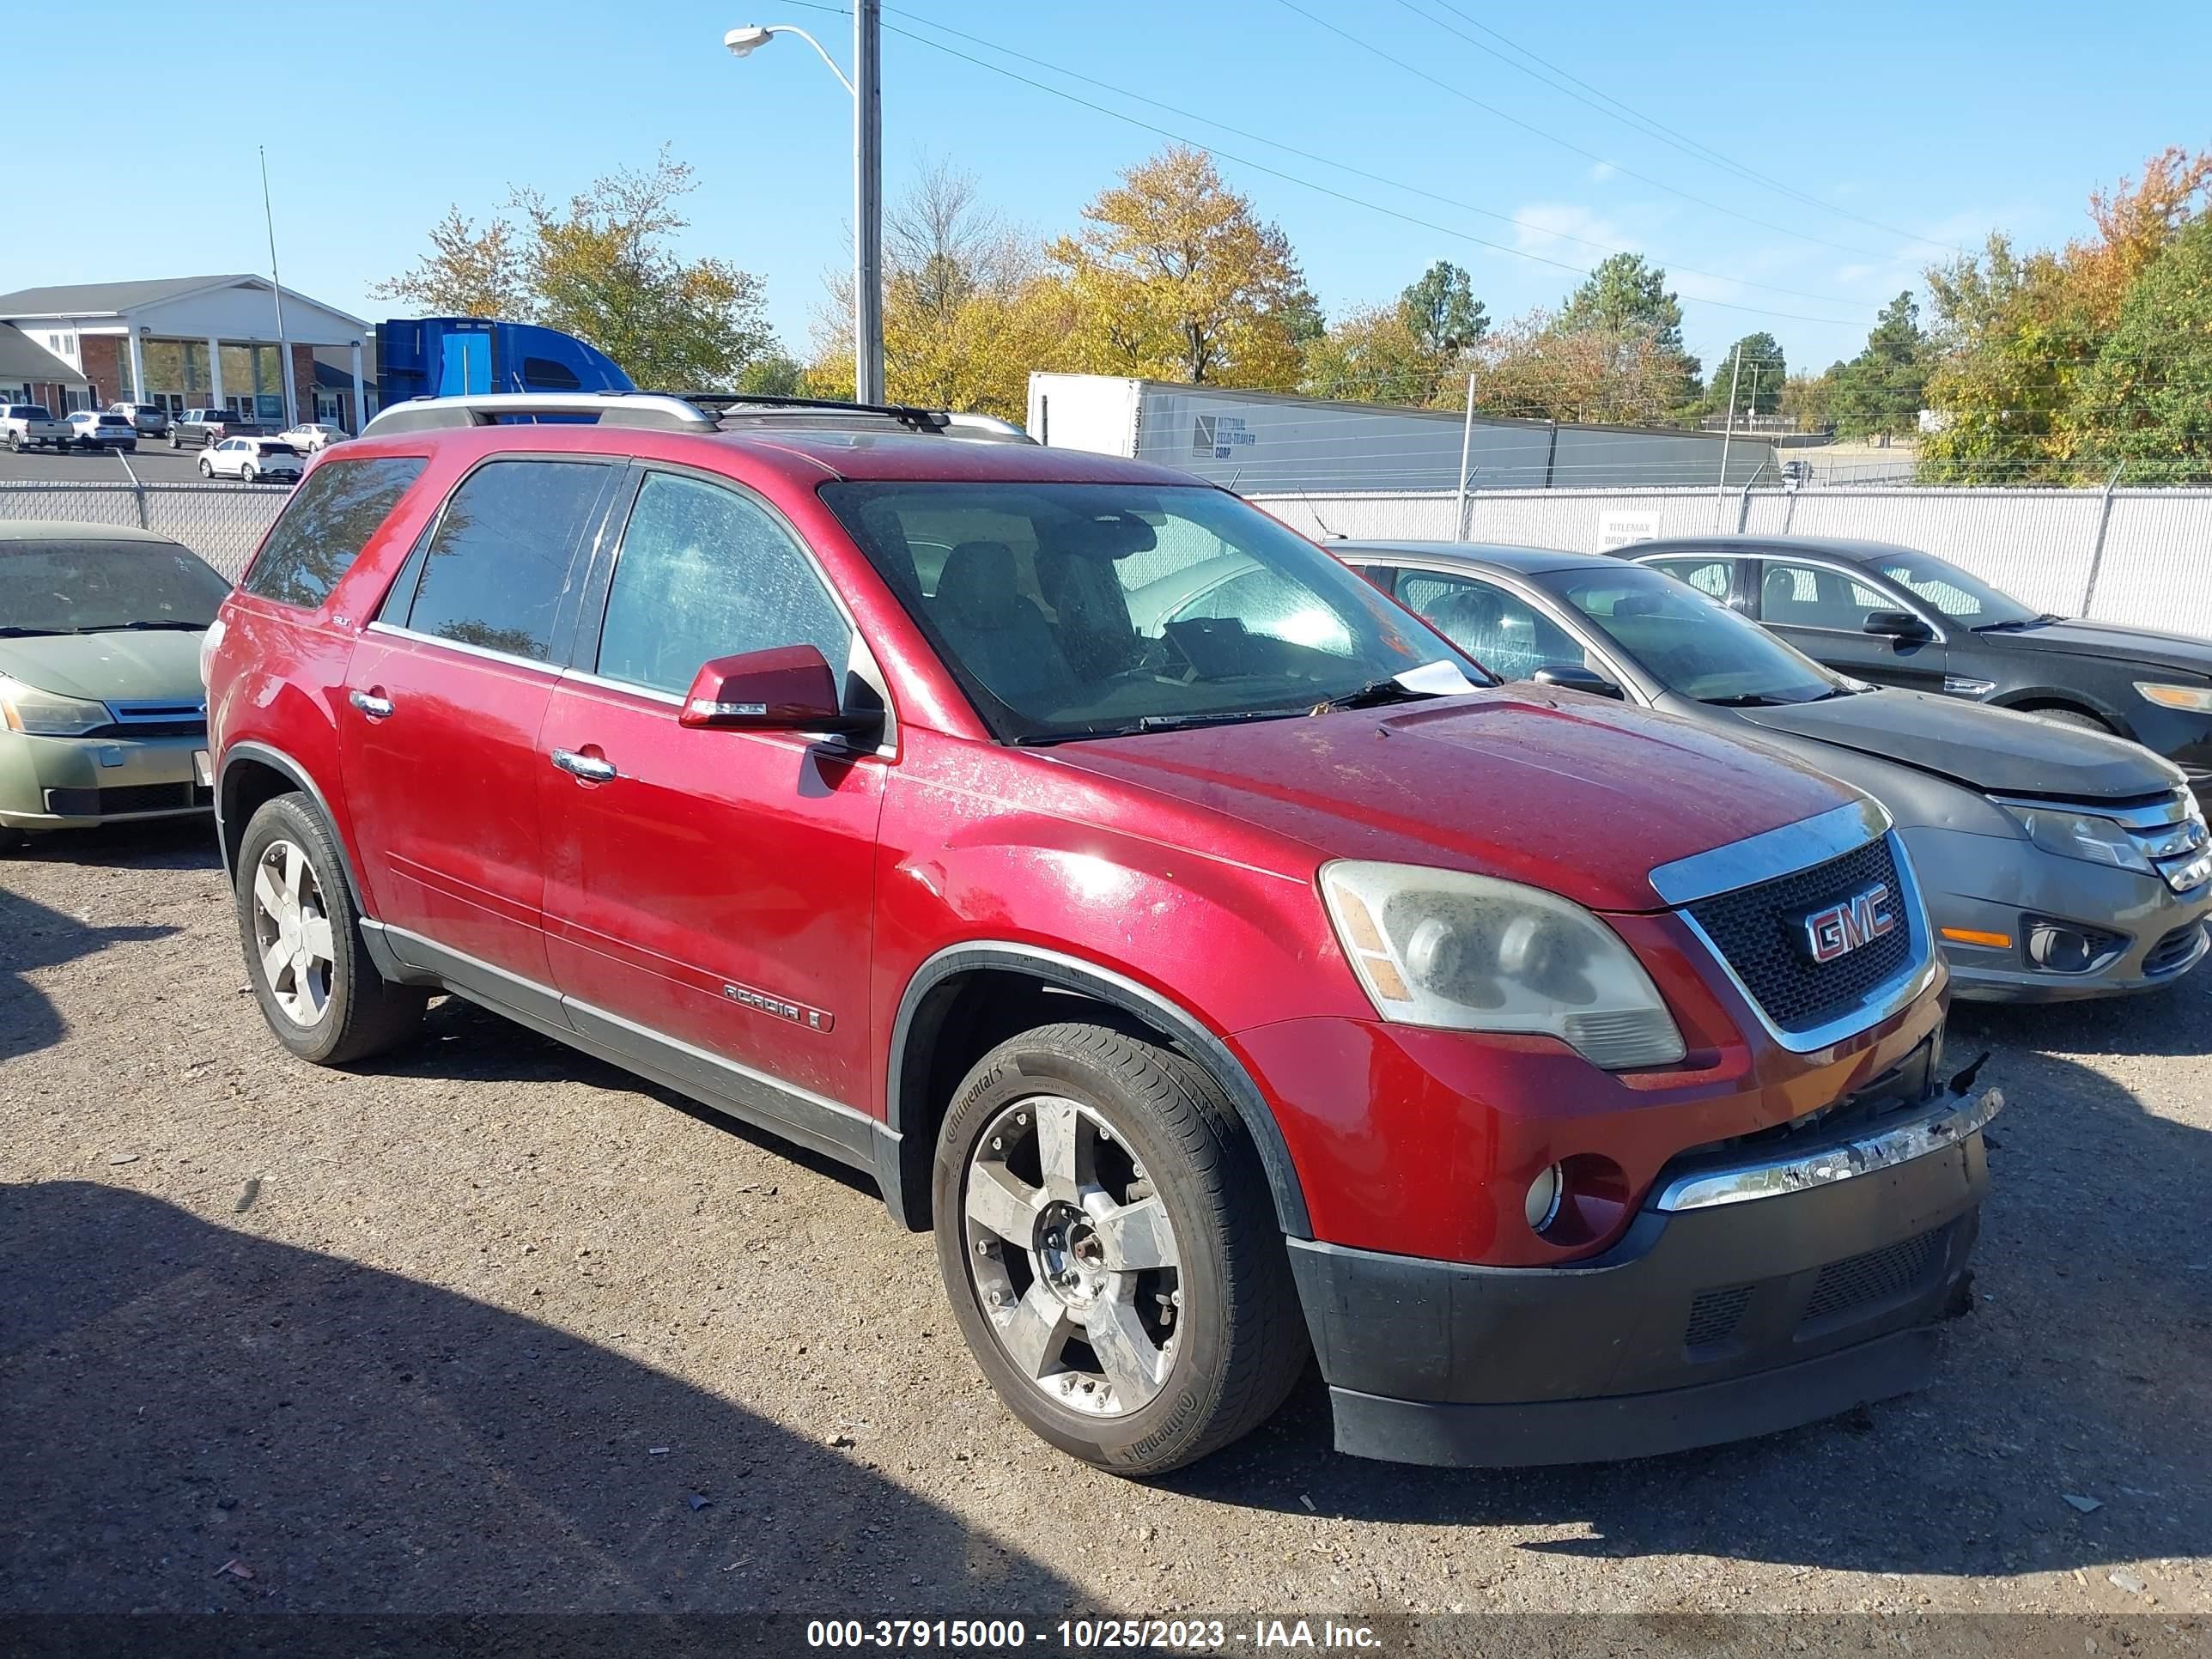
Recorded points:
(95, 428)
(250, 460)
(310, 436)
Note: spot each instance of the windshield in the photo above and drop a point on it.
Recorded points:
(1962, 599)
(1692, 643)
(82, 587)
(28, 412)
(1073, 610)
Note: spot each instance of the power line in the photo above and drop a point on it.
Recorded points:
(1366, 44)
(1373, 178)
(1651, 125)
(1308, 183)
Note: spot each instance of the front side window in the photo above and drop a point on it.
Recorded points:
(1709, 576)
(68, 585)
(325, 525)
(1691, 643)
(706, 572)
(498, 562)
(1811, 596)
(1075, 611)
(1498, 629)
(1962, 599)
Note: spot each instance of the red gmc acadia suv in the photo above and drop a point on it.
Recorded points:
(1227, 969)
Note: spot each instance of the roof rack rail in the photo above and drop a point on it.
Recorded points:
(683, 412)
(497, 408)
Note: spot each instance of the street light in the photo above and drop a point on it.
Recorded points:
(866, 87)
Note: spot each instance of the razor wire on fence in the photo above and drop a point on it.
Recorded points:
(221, 523)
(2140, 556)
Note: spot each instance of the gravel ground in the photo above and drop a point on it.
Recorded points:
(491, 1327)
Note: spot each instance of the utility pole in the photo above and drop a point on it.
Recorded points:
(276, 285)
(1466, 450)
(1720, 489)
(867, 202)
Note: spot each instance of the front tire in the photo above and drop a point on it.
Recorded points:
(311, 971)
(1111, 1249)
(207, 468)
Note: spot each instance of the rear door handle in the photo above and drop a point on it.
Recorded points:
(589, 767)
(376, 707)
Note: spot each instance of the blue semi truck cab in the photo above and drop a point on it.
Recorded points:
(453, 356)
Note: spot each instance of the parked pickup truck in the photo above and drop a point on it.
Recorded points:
(203, 428)
(32, 426)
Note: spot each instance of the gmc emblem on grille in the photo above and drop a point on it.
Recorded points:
(1843, 927)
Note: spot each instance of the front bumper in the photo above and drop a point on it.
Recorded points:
(1991, 885)
(1701, 1325)
(77, 783)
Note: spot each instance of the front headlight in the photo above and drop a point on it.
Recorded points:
(1469, 953)
(47, 715)
(2081, 835)
(2197, 699)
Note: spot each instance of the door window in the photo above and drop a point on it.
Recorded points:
(498, 562)
(1708, 576)
(1504, 632)
(706, 572)
(328, 520)
(1805, 596)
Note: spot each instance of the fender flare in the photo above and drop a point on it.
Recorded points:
(278, 761)
(1116, 990)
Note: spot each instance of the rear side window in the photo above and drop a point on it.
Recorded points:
(704, 572)
(498, 562)
(325, 525)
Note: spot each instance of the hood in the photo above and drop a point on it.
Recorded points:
(160, 666)
(1580, 796)
(2083, 638)
(1994, 751)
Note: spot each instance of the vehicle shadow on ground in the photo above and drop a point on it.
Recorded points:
(2082, 1372)
(461, 1043)
(2176, 1022)
(198, 1419)
(33, 937)
(154, 844)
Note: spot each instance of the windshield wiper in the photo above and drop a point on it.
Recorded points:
(11, 632)
(2021, 623)
(1748, 699)
(1374, 692)
(145, 627)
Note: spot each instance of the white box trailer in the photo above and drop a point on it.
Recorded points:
(1271, 443)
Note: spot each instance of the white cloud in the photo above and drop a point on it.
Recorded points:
(1549, 227)
(1602, 172)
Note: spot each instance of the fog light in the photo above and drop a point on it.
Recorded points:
(1541, 1206)
(2060, 947)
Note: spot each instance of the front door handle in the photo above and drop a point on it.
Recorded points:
(376, 707)
(592, 769)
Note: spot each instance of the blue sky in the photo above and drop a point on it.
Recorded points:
(1934, 122)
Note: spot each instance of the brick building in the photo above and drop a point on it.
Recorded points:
(194, 342)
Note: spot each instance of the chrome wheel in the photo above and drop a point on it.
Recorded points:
(292, 933)
(1072, 1256)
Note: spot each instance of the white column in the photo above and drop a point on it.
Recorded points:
(359, 398)
(214, 373)
(137, 369)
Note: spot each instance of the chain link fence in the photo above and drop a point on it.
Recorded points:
(223, 522)
(2126, 556)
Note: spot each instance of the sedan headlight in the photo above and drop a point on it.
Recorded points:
(2197, 699)
(1469, 953)
(46, 713)
(2082, 835)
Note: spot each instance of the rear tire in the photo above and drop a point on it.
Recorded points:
(1102, 1189)
(318, 987)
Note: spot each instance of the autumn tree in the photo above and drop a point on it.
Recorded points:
(968, 309)
(602, 267)
(468, 272)
(1174, 277)
(1808, 401)
(2146, 401)
(1372, 355)
(1534, 368)
(1625, 308)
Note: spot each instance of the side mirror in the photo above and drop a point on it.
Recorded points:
(788, 689)
(1896, 625)
(1577, 677)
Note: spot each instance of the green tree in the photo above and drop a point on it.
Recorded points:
(1626, 302)
(1441, 312)
(2148, 399)
(467, 273)
(1759, 385)
(1807, 401)
(1880, 393)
